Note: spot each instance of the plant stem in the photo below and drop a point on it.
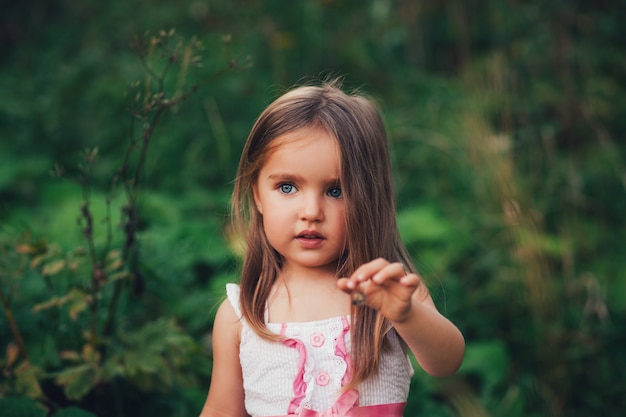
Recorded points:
(17, 335)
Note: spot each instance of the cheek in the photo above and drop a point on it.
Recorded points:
(273, 224)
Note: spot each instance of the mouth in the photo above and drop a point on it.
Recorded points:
(309, 235)
(310, 239)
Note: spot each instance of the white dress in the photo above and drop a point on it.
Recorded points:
(307, 370)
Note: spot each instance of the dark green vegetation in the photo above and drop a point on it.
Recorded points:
(505, 120)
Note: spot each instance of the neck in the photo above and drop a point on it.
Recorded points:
(294, 276)
(307, 294)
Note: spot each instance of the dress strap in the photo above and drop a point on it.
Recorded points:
(232, 293)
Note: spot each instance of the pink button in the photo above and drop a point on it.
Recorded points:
(322, 379)
(317, 339)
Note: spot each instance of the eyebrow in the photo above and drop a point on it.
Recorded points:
(295, 178)
(284, 176)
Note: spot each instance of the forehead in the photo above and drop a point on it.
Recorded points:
(311, 149)
(310, 133)
(305, 140)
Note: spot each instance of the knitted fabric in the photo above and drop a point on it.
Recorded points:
(307, 370)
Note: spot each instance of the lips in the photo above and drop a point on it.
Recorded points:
(309, 235)
(310, 239)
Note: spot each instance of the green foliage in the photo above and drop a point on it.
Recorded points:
(86, 288)
(27, 407)
(506, 123)
(21, 407)
(150, 357)
(72, 412)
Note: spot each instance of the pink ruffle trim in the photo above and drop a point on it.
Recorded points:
(347, 403)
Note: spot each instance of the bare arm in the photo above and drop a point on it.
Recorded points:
(226, 398)
(403, 298)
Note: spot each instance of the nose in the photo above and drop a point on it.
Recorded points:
(312, 208)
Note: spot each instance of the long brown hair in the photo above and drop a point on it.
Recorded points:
(367, 186)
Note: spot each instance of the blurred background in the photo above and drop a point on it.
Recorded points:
(121, 124)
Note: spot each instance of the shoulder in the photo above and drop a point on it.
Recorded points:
(227, 314)
(227, 323)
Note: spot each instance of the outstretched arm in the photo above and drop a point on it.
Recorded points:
(404, 300)
(225, 397)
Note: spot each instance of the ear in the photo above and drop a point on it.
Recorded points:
(257, 200)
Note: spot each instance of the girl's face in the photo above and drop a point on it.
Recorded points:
(299, 197)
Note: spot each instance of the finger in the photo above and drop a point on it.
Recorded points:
(411, 280)
(346, 285)
(352, 288)
(367, 270)
(393, 271)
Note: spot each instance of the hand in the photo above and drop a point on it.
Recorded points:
(386, 287)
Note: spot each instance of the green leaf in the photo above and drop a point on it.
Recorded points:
(27, 382)
(73, 412)
(21, 407)
(53, 267)
(78, 381)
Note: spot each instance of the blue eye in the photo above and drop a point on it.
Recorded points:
(335, 192)
(286, 188)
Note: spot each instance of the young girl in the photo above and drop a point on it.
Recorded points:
(329, 300)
